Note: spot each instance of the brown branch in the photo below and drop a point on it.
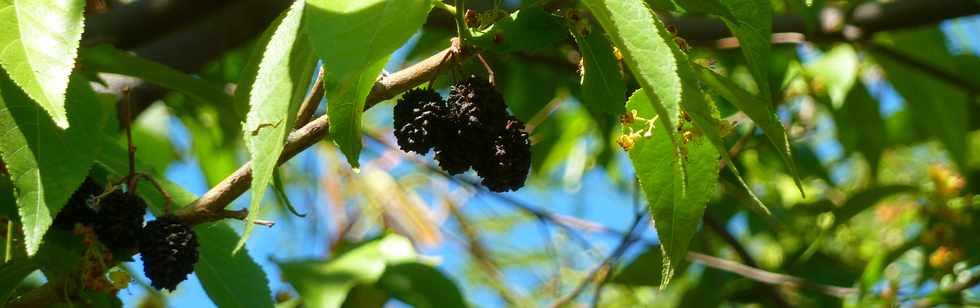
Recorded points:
(862, 22)
(743, 253)
(209, 206)
(311, 102)
(768, 277)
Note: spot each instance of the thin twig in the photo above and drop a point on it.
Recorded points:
(312, 101)
(743, 253)
(767, 277)
(628, 239)
(131, 149)
(486, 66)
(167, 200)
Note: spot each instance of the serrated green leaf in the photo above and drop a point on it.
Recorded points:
(105, 58)
(940, 108)
(420, 285)
(280, 83)
(325, 284)
(756, 109)
(46, 163)
(751, 22)
(38, 44)
(603, 88)
(677, 208)
(646, 47)
(230, 280)
(354, 38)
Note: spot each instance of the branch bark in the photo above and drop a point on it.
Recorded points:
(210, 206)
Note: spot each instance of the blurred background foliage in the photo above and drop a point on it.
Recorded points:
(884, 133)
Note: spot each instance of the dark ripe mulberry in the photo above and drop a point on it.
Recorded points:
(476, 108)
(509, 159)
(168, 248)
(119, 220)
(420, 117)
(79, 207)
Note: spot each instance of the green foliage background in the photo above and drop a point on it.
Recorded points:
(727, 148)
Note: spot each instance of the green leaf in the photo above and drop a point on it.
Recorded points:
(420, 285)
(280, 83)
(646, 47)
(644, 270)
(46, 163)
(370, 30)
(325, 284)
(105, 58)
(676, 208)
(835, 73)
(758, 110)
(940, 108)
(12, 274)
(530, 28)
(230, 280)
(751, 22)
(860, 127)
(38, 44)
(603, 88)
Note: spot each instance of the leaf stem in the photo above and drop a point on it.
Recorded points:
(445, 7)
(8, 251)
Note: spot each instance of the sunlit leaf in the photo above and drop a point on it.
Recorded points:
(279, 86)
(38, 44)
(676, 208)
(370, 31)
(751, 22)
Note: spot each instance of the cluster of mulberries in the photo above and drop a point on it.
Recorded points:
(471, 129)
(168, 246)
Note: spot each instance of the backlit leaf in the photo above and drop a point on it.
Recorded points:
(38, 44)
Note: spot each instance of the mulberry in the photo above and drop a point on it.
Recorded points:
(168, 248)
(419, 120)
(119, 220)
(476, 109)
(79, 206)
(510, 159)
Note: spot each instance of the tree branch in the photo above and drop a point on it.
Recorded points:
(863, 21)
(209, 207)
